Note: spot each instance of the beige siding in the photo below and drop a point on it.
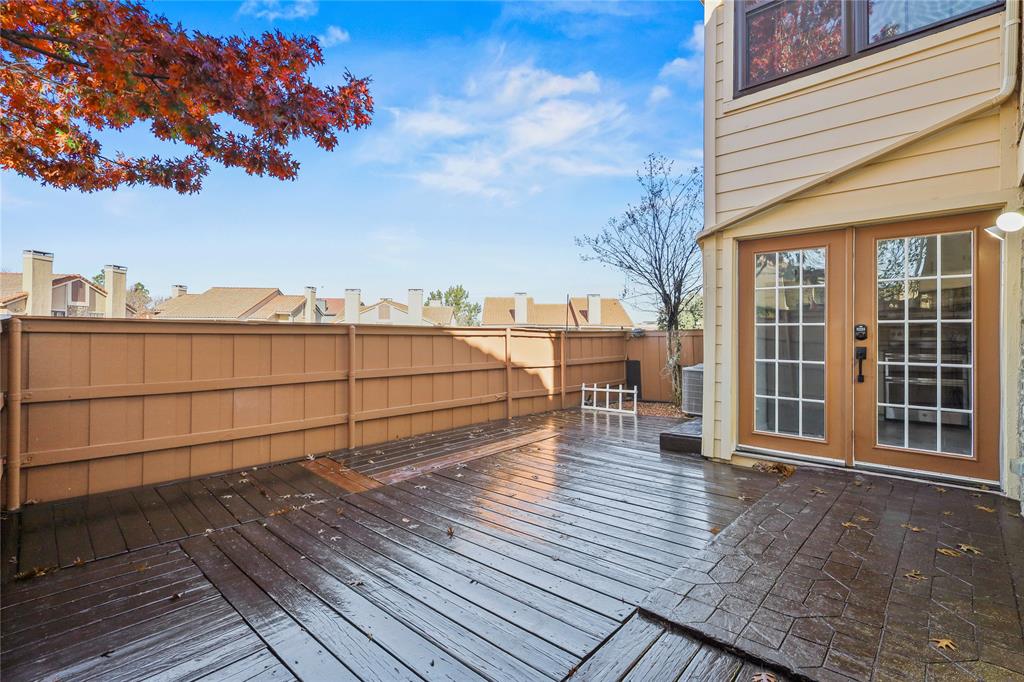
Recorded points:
(770, 143)
(767, 144)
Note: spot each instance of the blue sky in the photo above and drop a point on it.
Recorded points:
(501, 132)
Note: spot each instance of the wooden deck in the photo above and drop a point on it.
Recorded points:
(508, 551)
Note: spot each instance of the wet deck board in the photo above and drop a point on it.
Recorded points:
(518, 549)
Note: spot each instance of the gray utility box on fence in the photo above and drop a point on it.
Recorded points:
(693, 389)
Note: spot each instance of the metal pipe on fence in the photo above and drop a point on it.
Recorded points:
(14, 418)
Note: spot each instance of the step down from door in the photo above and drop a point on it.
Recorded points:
(684, 437)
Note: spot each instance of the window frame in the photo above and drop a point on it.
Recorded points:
(855, 38)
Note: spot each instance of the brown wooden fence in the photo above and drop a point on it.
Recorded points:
(97, 405)
(651, 350)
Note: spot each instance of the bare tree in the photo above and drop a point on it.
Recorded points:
(654, 244)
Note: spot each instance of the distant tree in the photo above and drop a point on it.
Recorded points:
(99, 278)
(467, 313)
(137, 296)
(654, 244)
(691, 314)
(70, 69)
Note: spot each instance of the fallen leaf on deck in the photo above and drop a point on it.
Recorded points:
(278, 512)
(762, 677)
(310, 457)
(715, 530)
(862, 518)
(817, 491)
(79, 561)
(968, 549)
(949, 552)
(940, 489)
(947, 513)
(176, 596)
(37, 572)
(141, 567)
(911, 528)
(943, 643)
(451, 532)
(915, 575)
(355, 582)
(984, 508)
(850, 524)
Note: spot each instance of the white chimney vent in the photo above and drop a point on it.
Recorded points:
(352, 305)
(37, 281)
(415, 306)
(309, 311)
(519, 314)
(115, 281)
(594, 308)
(178, 290)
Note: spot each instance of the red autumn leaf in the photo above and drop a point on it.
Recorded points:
(71, 69)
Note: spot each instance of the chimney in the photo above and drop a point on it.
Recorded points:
(352, 306)
(519, 317)
(309, 312)
(594, 308)
(37, 282)
(178, 290)
(115, 281)
(415, 306)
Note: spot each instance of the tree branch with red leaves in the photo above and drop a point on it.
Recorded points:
(71, 69)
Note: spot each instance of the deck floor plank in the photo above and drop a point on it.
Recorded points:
(38, 545)
(135, 527)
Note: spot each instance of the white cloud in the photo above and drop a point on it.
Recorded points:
(689, 70)
(658, 93)
(512, 128)
(695, 43)
(272, 10)
(429, 123)
(334, 35)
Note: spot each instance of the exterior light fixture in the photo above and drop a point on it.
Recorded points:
(1011, 221)
(996, 232)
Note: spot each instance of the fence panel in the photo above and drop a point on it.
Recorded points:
(111, 404)
(651, 350)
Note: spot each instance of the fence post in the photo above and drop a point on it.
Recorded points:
(561, 366)
(14, 417)
(508, 373)
(351, 386)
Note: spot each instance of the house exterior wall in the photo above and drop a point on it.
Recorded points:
(768, 145)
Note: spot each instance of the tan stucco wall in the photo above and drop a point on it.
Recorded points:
(769, 143)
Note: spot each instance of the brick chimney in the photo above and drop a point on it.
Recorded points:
(37, 282)
(415, 306)
(309, 311)
(594, 308)
(115, 281)
(352, 306)
(519, 315)
(178, 290)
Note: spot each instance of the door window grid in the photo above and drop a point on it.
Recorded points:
(779, 409)
(896, 401)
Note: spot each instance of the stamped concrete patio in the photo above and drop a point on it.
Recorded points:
(840, 576)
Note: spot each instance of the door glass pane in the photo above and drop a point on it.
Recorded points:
(891, 341)
(922, 254)
(789, 342)
(789, 379)
(789, 417)
(956, 298)
(956, 253)
(925, 347)
(891, 425)
(923, 299)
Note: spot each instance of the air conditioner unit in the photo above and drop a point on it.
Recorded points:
(693, 389)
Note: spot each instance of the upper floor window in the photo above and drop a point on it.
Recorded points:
(779, 39)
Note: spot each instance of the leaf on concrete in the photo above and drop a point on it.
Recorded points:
(968, 549)
(983, 508)
(944, 643)
(948, 552)
(915, 575)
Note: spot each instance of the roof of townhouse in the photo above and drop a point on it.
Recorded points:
(500, 311)
(334, 307)
(218, 303)
(11, 285)
(435, 314)
(281, 304)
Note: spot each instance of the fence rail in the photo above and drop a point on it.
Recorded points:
(94, 405)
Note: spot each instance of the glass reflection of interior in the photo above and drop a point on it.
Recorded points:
(924, 342)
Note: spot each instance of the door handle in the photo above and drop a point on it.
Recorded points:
(860, 355)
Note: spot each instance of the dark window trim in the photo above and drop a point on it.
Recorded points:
(854, 39)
